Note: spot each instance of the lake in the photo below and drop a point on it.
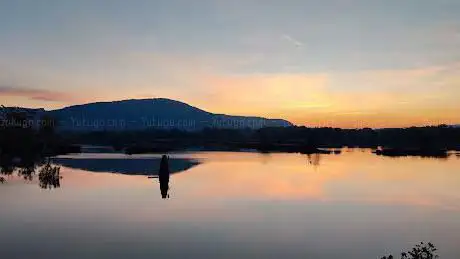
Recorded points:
(235, 205)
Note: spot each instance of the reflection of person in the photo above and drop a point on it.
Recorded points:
(163, 175)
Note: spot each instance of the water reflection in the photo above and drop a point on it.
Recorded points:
(163, 175)
(357, 204)
(6, 166)
(124, 164)
(314, 159)
(421, 152)
(49, 176)
(25, 168)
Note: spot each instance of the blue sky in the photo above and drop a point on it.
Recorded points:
(312, 62)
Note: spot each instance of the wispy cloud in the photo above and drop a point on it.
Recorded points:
(36, 94)
(297, 43)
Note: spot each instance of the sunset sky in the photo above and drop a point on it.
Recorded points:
(343, 63)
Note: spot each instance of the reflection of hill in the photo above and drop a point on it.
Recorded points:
(139, 166)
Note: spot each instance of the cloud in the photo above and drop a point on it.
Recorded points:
(36, 94)
(297, 43)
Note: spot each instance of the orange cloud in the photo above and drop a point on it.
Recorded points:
(36, 94)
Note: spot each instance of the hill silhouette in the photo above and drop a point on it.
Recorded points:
(158, 113)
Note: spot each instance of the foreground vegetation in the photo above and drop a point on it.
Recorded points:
(420, 251)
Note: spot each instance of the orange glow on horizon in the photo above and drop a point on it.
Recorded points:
(385, 98)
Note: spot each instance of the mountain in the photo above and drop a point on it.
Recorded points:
(158, 113)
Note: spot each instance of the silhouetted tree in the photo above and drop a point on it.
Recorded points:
(266, 139)
(420, 251)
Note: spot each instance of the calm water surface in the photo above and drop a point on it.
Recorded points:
(235, 205)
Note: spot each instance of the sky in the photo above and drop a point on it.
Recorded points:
(339, 63)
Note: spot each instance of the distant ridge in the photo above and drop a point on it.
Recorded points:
(157, 113)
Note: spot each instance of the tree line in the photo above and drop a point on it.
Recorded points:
(433, 137)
